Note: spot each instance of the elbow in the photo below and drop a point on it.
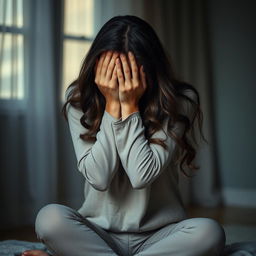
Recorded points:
(99, 186)
(139, 185)
(145, 176)
(98, 182)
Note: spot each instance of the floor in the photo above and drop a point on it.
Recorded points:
(233, 218)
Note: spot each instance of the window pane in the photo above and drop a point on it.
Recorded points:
(11, 13)
(78, 17)
(74, 53)
(11, 66)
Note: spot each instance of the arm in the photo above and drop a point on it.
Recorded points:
(144, 162)
(97, 161)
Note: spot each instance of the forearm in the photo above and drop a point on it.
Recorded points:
(118, 110)
(142, 161)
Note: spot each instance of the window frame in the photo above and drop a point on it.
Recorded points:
(19, 103)
(66, 36)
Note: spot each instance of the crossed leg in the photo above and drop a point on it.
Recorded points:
(65, 232)
(189, 237)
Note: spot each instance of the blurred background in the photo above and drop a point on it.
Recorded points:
(42, 45)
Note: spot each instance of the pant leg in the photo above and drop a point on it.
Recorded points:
(189, 237)
(66, 232)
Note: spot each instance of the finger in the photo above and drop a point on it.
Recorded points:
(96, 71)
(126, 68)
(111, 66)
(134, 67)
(100, 64)
(143, 77)
(120, 76)
(105, 63)
(114, 75)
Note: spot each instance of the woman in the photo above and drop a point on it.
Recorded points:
(130, 120)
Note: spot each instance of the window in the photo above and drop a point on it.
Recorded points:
(77, 38)
(11, 49)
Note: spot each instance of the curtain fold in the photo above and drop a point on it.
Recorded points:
(28, 135)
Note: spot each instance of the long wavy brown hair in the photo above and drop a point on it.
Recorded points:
(163, 94)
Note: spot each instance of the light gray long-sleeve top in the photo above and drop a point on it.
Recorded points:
(130, 185)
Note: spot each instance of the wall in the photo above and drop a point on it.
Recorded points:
(232, 32)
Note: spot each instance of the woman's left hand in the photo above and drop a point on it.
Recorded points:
(132, 84)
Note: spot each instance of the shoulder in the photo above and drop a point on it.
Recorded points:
(68, 92)
(72, 111)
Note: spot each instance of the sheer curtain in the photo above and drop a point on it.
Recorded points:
(28, 111)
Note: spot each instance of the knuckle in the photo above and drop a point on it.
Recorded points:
(105, 83)
(112, 86)
(101, 82)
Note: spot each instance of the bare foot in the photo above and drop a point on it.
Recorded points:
(34, 253)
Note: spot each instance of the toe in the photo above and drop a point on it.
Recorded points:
(34, 253)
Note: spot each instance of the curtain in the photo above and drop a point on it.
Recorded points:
(28, 125)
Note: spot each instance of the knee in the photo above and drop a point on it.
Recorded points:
(49, 219)
(211, 236)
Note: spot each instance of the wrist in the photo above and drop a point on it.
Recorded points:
(113, 104)
(128, 109)
(113, 108)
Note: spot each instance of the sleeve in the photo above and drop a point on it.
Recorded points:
(97, 161)
(144, 162)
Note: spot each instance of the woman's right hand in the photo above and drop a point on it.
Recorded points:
(106, 76)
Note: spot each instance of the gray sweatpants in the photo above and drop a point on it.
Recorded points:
(65, 232)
